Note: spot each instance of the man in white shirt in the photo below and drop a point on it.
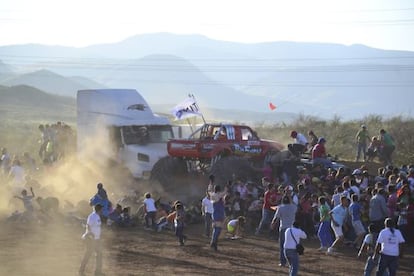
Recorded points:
(300, 144)
(207, 211)
(150, 211)
(389, 246)
(292, 238)
(92, 237)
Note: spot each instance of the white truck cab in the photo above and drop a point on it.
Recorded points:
(119, 125)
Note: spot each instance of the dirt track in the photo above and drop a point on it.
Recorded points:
(57, 250)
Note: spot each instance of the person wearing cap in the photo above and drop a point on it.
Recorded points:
(362, 138)
(92, 238)
(319, 154)
(300, 143)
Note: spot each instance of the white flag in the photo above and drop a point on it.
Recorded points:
(188, 108)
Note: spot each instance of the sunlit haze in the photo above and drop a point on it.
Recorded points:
(380, 24)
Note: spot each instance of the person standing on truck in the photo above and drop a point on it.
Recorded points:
(300, 143)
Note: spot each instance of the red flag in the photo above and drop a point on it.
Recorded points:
(272, 106)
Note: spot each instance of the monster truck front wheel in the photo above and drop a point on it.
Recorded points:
(166, 169)
(229, 167)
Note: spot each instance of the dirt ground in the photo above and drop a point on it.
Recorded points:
(57, 250)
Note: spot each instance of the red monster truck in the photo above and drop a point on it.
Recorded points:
(224, 150)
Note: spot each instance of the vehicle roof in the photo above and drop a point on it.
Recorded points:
(117, 107)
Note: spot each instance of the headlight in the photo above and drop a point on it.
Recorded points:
(143, 157)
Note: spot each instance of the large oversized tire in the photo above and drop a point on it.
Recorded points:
(230, 167)
(167, 169)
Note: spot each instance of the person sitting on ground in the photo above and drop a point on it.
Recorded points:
(235, 227)
(126, 217)
(115, 216)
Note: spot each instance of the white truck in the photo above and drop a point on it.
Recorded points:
(118, 125)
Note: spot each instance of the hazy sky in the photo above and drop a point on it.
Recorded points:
(377, 23)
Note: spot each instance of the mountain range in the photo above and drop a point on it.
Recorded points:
(316, 79)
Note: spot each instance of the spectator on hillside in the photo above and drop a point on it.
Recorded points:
(319, 154)
(373, 149)
(388, 146)
(362, 137)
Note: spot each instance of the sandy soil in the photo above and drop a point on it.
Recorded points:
(58, 249)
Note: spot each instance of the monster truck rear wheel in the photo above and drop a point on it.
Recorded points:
(167, 169)
(229, 167)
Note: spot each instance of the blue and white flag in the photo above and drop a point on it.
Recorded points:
(187, 109)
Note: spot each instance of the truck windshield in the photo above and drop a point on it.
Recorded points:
(146, 134)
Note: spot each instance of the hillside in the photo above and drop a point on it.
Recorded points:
(25, 104)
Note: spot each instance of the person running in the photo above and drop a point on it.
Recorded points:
(355, 210)
(92, 238)
(285, 214)
(293, 235)
(179, 223)
(338, 216)
(389, 246)
(367, 247)
(324, 231)
(269, 201)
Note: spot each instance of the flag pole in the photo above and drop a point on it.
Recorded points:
(195, 101)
